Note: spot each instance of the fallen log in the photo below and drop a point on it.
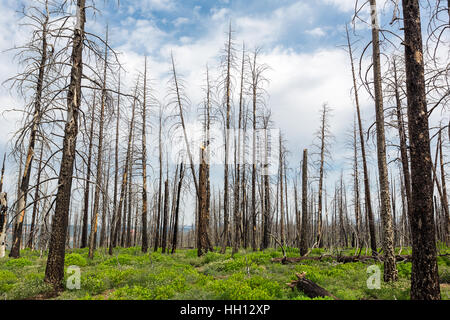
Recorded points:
(310, 288)
(343, 259)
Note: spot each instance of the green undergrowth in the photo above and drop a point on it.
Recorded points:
(128, 274)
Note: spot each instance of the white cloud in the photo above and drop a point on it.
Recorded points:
(162, 5)
(317, 32)
(343, 5)
(180, 21)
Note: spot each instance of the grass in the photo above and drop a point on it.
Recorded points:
(129, 274)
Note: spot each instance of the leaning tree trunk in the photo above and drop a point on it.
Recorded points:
(54, 272)
(390, 269)
(424, 275)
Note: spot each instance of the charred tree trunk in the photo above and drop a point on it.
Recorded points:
(390, 269)
(25, 179)
(303, 234)
(54, 272)
(36, 201)
(99, 174)
(116, 225)
(84, 232)
(424, 276)
(165, 216)
(3, 221)
(177, 209)
(144, 166)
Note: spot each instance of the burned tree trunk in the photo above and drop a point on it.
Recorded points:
(444, 193)
(390, 269)
(367, 197)
(3, 221)
(54, 272)
(25, 179)
(177, 210)
(116, 225)
(310, 288)
(165, 216)
(403, 143)
(144, 166)
(424, 276)
(84, 231)
(303, 234)
(98, 183)
(36, 201)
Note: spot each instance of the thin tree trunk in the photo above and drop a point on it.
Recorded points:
(25, 179)
(303, 235)
(99, 183)
(144, 166)
(368, 201)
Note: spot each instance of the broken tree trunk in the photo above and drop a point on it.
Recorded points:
(3, 219)
(310, 288)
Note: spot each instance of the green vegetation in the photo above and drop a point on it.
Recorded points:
(129, 274)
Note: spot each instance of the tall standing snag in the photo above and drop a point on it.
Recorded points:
(303, 234)
(54, 272)
(424, 275)
(390, 269)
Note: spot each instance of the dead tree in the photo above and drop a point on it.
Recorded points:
(54, 272)
(25, 179)
(99, 174)
(424, 276)
(324, 137)
(84, 231)
(158, 218)
(116, 223)
(177, 210)
(237, 191)
(367, 196)
(303, 234)
(227, 82)
(144, 165)
(165, 216)
(390, 269)
(3, 222)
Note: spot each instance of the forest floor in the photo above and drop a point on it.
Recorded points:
(130, 274)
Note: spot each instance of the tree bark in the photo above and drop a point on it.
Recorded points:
(424, 276)
(303, 234)
(367, 197)
(54, 272)
(390, 269)
(144, 166)
(98, 183)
